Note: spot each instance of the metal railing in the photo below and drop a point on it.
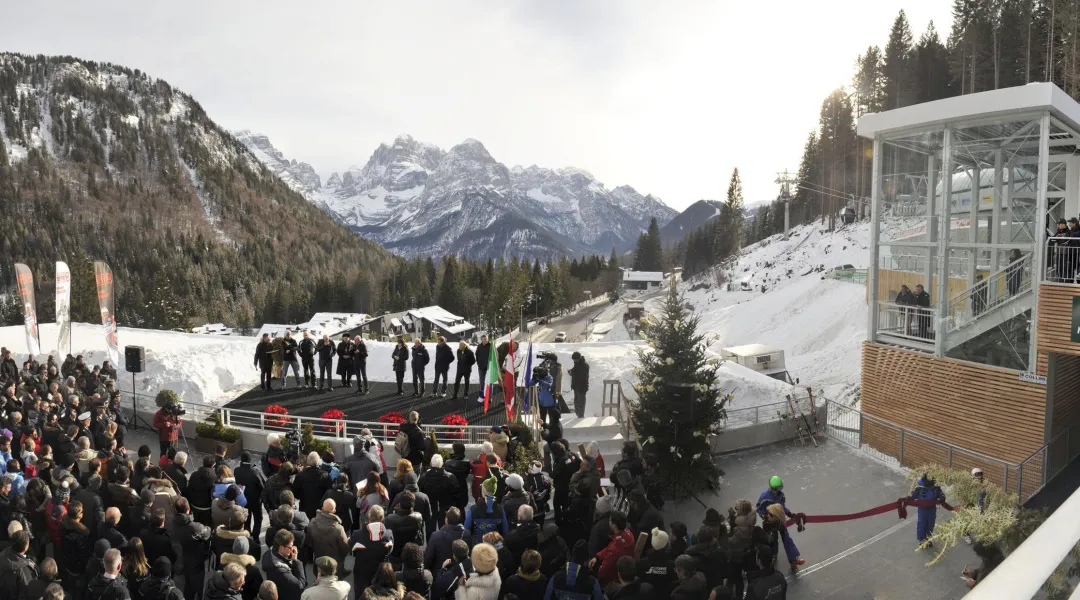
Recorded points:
(996, 290)
(765, 413)
(905, 321)
(1063, 260)
(335, 429)
(849, 275)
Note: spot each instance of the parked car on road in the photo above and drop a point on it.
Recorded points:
(560, 337)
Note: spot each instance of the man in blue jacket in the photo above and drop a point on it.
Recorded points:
(546, 394)
(927, 489)
(775, 495)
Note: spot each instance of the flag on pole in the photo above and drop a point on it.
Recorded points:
(510, 379)
(493, 376)
(528, 377)
(25, 280)
(63, 308)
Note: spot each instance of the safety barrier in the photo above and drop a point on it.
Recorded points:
(910, 322)
(1063, 261)
(849, 275)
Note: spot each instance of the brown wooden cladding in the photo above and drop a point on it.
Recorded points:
(1065, 403)
(1055, 318)
(981, 408)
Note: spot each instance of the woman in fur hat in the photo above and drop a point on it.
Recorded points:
(485, 583)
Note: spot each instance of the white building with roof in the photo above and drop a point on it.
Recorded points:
(320, 324)
(423, 322)
(642, 280)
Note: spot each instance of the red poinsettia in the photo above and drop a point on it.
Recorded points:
(392, 417)
(333, 415)
(455, 421)
(276, 409)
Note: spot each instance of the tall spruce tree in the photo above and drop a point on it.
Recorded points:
(676, 357)
(897, 71)
(649, 254)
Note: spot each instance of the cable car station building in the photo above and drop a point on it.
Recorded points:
(967, 193)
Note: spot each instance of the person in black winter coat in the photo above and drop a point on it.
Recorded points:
(421, 502)
(579, 382)
(109, 585)
(483, 357)
(194, 539)
(17, 568)
(922, 303)
(465, 361)
(629, 587)
(459, 466)
(444, 356)
(311, 484)
(156, 539)
(250, 477)
(226, 584)
(417, 439)
(457, 568)
(563, 466)
(400, 358)
(344, 361)
(528, 583)
(325, 349)
(438, 548)
(200, 490)
(440, 488)
(264, 360)
(765, 583)
(360, 353)
(345, 499)
(306, 349)
(413, 576)
(159, 585)
(289, 357)
(281, 566)
(420, 359)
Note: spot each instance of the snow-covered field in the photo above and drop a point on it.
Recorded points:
(819, 323)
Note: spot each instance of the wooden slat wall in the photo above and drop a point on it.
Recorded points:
(889, 283)
(981, 408)
(1066, 390)
(1055, 318)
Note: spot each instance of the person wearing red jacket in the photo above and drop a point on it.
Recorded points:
(622, 544)
(167, 422)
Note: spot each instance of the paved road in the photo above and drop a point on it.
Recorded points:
(573, 324)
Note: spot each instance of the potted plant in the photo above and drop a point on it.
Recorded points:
(391, 418)
(271, 419)
(309, 443)
(208, 435)
(456, 421)
(333, 415)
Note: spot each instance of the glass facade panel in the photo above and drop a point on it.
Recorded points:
(910, 172)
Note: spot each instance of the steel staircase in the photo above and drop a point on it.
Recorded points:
(989, 303)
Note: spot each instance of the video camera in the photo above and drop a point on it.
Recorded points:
(549, 365)
(292, 446)
(174, 409)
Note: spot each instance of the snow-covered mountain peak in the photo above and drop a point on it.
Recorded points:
(299, 175)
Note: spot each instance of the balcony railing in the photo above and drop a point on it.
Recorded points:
(905, 321)
(1063, 260)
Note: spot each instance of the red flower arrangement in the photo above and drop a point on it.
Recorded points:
(392, 417)
(276, 409)
(458, 421)
(333, 415)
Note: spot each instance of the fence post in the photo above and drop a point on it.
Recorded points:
(859, 418)
(950, 457)
(1006, 486)
(901, 447)
(1020, 484)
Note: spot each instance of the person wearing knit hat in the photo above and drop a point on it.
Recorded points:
(485, 583)
(658, 538)
(515, 482)
(486, 514)
(162, 567)
(657, 564)
(516, 497)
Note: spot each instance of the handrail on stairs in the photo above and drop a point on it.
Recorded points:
(614, 404)
(998, 289)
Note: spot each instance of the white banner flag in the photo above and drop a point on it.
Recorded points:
(63, 308)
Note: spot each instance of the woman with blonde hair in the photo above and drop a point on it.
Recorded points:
(397, 484)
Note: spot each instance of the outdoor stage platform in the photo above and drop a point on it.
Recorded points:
(380, 400)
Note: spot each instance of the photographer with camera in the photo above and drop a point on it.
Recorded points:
(545, 383)
(167, 421)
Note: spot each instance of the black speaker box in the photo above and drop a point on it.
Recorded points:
(681, 401)
(134, 359)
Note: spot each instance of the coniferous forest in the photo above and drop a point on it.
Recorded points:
(992, 44)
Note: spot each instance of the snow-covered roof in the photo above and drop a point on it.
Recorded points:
(1029, 98)
(395, 322)
(442, 318)
(324, 323)
(751, 350)
(643, 276)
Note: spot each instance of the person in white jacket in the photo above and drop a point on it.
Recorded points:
(327, 586)
(484, 583)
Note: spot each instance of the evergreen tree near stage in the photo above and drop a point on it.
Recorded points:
(676, 355)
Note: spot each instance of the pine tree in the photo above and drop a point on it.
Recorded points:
(731, 218)
(649, 254)
(450, 293)
(899, 80)
(931, 60)
(676, 356)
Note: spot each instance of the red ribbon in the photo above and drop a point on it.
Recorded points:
(900, 506)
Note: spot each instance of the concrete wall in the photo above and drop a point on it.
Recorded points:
(760, 434)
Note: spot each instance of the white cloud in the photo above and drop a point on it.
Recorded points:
(667, 97)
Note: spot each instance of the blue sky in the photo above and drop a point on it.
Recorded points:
(665, 96)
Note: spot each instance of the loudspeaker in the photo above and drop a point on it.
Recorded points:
(681, 401)
(134, 359)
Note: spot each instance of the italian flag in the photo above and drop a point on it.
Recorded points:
(501, 377)
(492, 375)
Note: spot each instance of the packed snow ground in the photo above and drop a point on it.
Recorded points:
(818, 322)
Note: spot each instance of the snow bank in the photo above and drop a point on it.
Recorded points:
(200, 368)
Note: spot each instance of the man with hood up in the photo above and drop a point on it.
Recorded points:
(927, 489)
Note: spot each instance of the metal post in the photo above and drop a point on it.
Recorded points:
(901, 447)
(1039, 251)
(973, 225)
(1006, 486)
(944, 229)
(950, 457)
(134, 405)
(1020, 484)
(875, 231)
(995, 214)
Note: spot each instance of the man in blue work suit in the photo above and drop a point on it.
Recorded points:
(927, 489)
(775, 495)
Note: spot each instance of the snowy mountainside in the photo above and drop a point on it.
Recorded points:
(820, 323)
(298, 175)
(416, 198)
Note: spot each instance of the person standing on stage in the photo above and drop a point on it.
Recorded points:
(401, 360)
(325, 349)
(288, 359)
(443, 357)
(345, 361)
(483, 355)
(264, 361)
(420, 359)
(465, 361)
(307, 359)
(360, 365)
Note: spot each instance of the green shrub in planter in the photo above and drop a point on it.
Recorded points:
(308, 442)
(216, 430)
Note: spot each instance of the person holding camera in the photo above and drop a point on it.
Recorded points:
(167, 421)
(547, 395)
